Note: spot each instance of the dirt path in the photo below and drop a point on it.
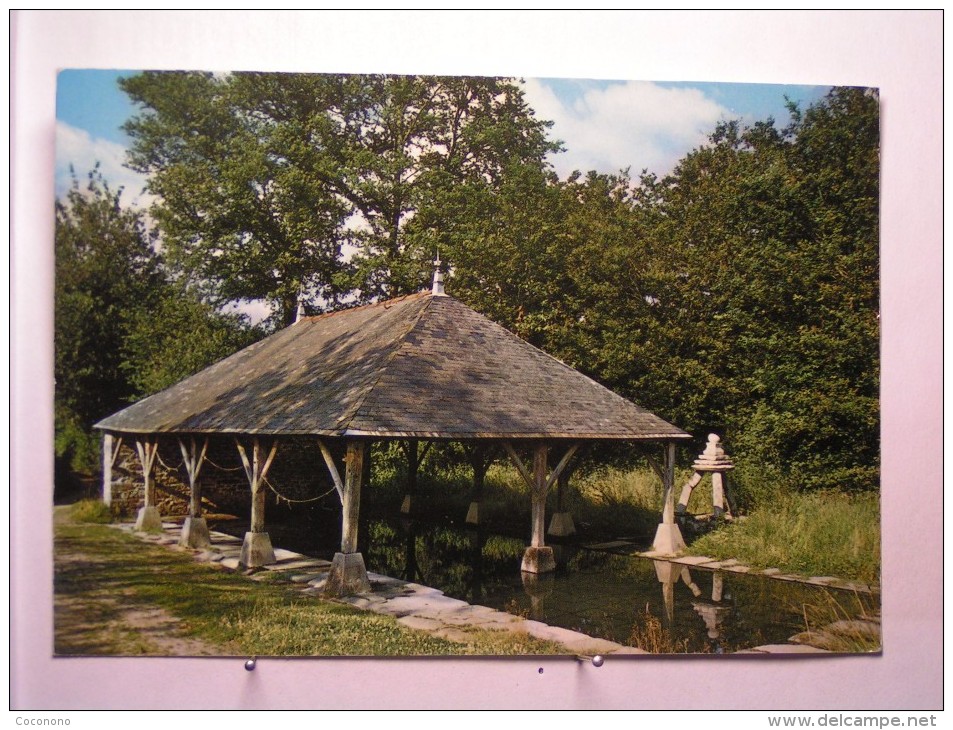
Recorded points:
(99, 622)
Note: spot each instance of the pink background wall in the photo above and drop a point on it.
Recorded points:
(899, 52)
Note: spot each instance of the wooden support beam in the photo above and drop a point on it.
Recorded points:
(351, 497)
(256, 469)
(538, 496)
(518, 463)
(570, 452)
(668, 485)
(109, 458)
(333, 468)
(147, 449)
(193, 457)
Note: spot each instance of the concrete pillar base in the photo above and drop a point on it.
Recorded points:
(668, 540)
(348, 576)
(149, 520)
(256, 550)
(473, 514)
(561, 525)
(195, 534)
(405, 506)
(538, 560)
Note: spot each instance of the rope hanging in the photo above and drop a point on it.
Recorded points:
(280, 497)
(223, 468)
(170, 468)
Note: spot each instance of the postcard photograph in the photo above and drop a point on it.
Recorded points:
(395, 365)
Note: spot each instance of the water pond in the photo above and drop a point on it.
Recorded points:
(656, 605)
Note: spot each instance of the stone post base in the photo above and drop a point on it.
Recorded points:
(405, 506)
(256, 550)
(473, 514)
(348, 576)
(561, 525)
(538, 560)
(149, 520)
(195, 534)
(668, 540)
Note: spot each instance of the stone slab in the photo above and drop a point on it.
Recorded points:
(281, 554)
(693, 560)
(784, 649)
(308, 577)
(303, 564)
(629, 650)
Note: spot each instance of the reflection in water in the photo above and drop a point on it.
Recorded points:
(598, 593)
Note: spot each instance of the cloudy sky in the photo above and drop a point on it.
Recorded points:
(604, 125)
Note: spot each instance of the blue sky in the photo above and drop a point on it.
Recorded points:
(606, 125)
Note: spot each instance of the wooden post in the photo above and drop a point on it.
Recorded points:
(257, 549)
(108, 469)
(148, 519)
(351, 499)
(539, 496)
(668, 538)
(348, 575)
(480, 458)
(413, 466)
(538, 558)
(194, 530)
(668, 487)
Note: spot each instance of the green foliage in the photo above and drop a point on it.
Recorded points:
(124, 326)
(266, 178)
(738, 295)
(90, 511)
(820, 533)
(178, 337)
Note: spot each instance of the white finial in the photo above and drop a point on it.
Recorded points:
(437, 290)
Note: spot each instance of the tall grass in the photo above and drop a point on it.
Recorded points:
(819, 533)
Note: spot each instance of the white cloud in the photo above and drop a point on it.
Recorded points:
(633, 124)
(77, 148)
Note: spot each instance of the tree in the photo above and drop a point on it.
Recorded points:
(124, 327)
(770, 319)
(360, 164)
(105, 268)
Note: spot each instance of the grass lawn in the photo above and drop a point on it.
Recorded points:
(116, 595)
(820, 533)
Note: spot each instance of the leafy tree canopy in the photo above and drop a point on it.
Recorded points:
(278, 185)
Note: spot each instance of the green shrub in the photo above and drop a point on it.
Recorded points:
(91, 510)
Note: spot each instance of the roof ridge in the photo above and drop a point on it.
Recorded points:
(401, 340)
(386, 303)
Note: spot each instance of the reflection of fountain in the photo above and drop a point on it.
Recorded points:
(537, 586)
(714, 612)
(668, 575)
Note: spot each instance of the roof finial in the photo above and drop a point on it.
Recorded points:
(300, 312)
(437, 278)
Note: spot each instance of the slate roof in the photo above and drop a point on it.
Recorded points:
(421, 366)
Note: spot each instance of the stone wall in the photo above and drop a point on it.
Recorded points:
(297, 473)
